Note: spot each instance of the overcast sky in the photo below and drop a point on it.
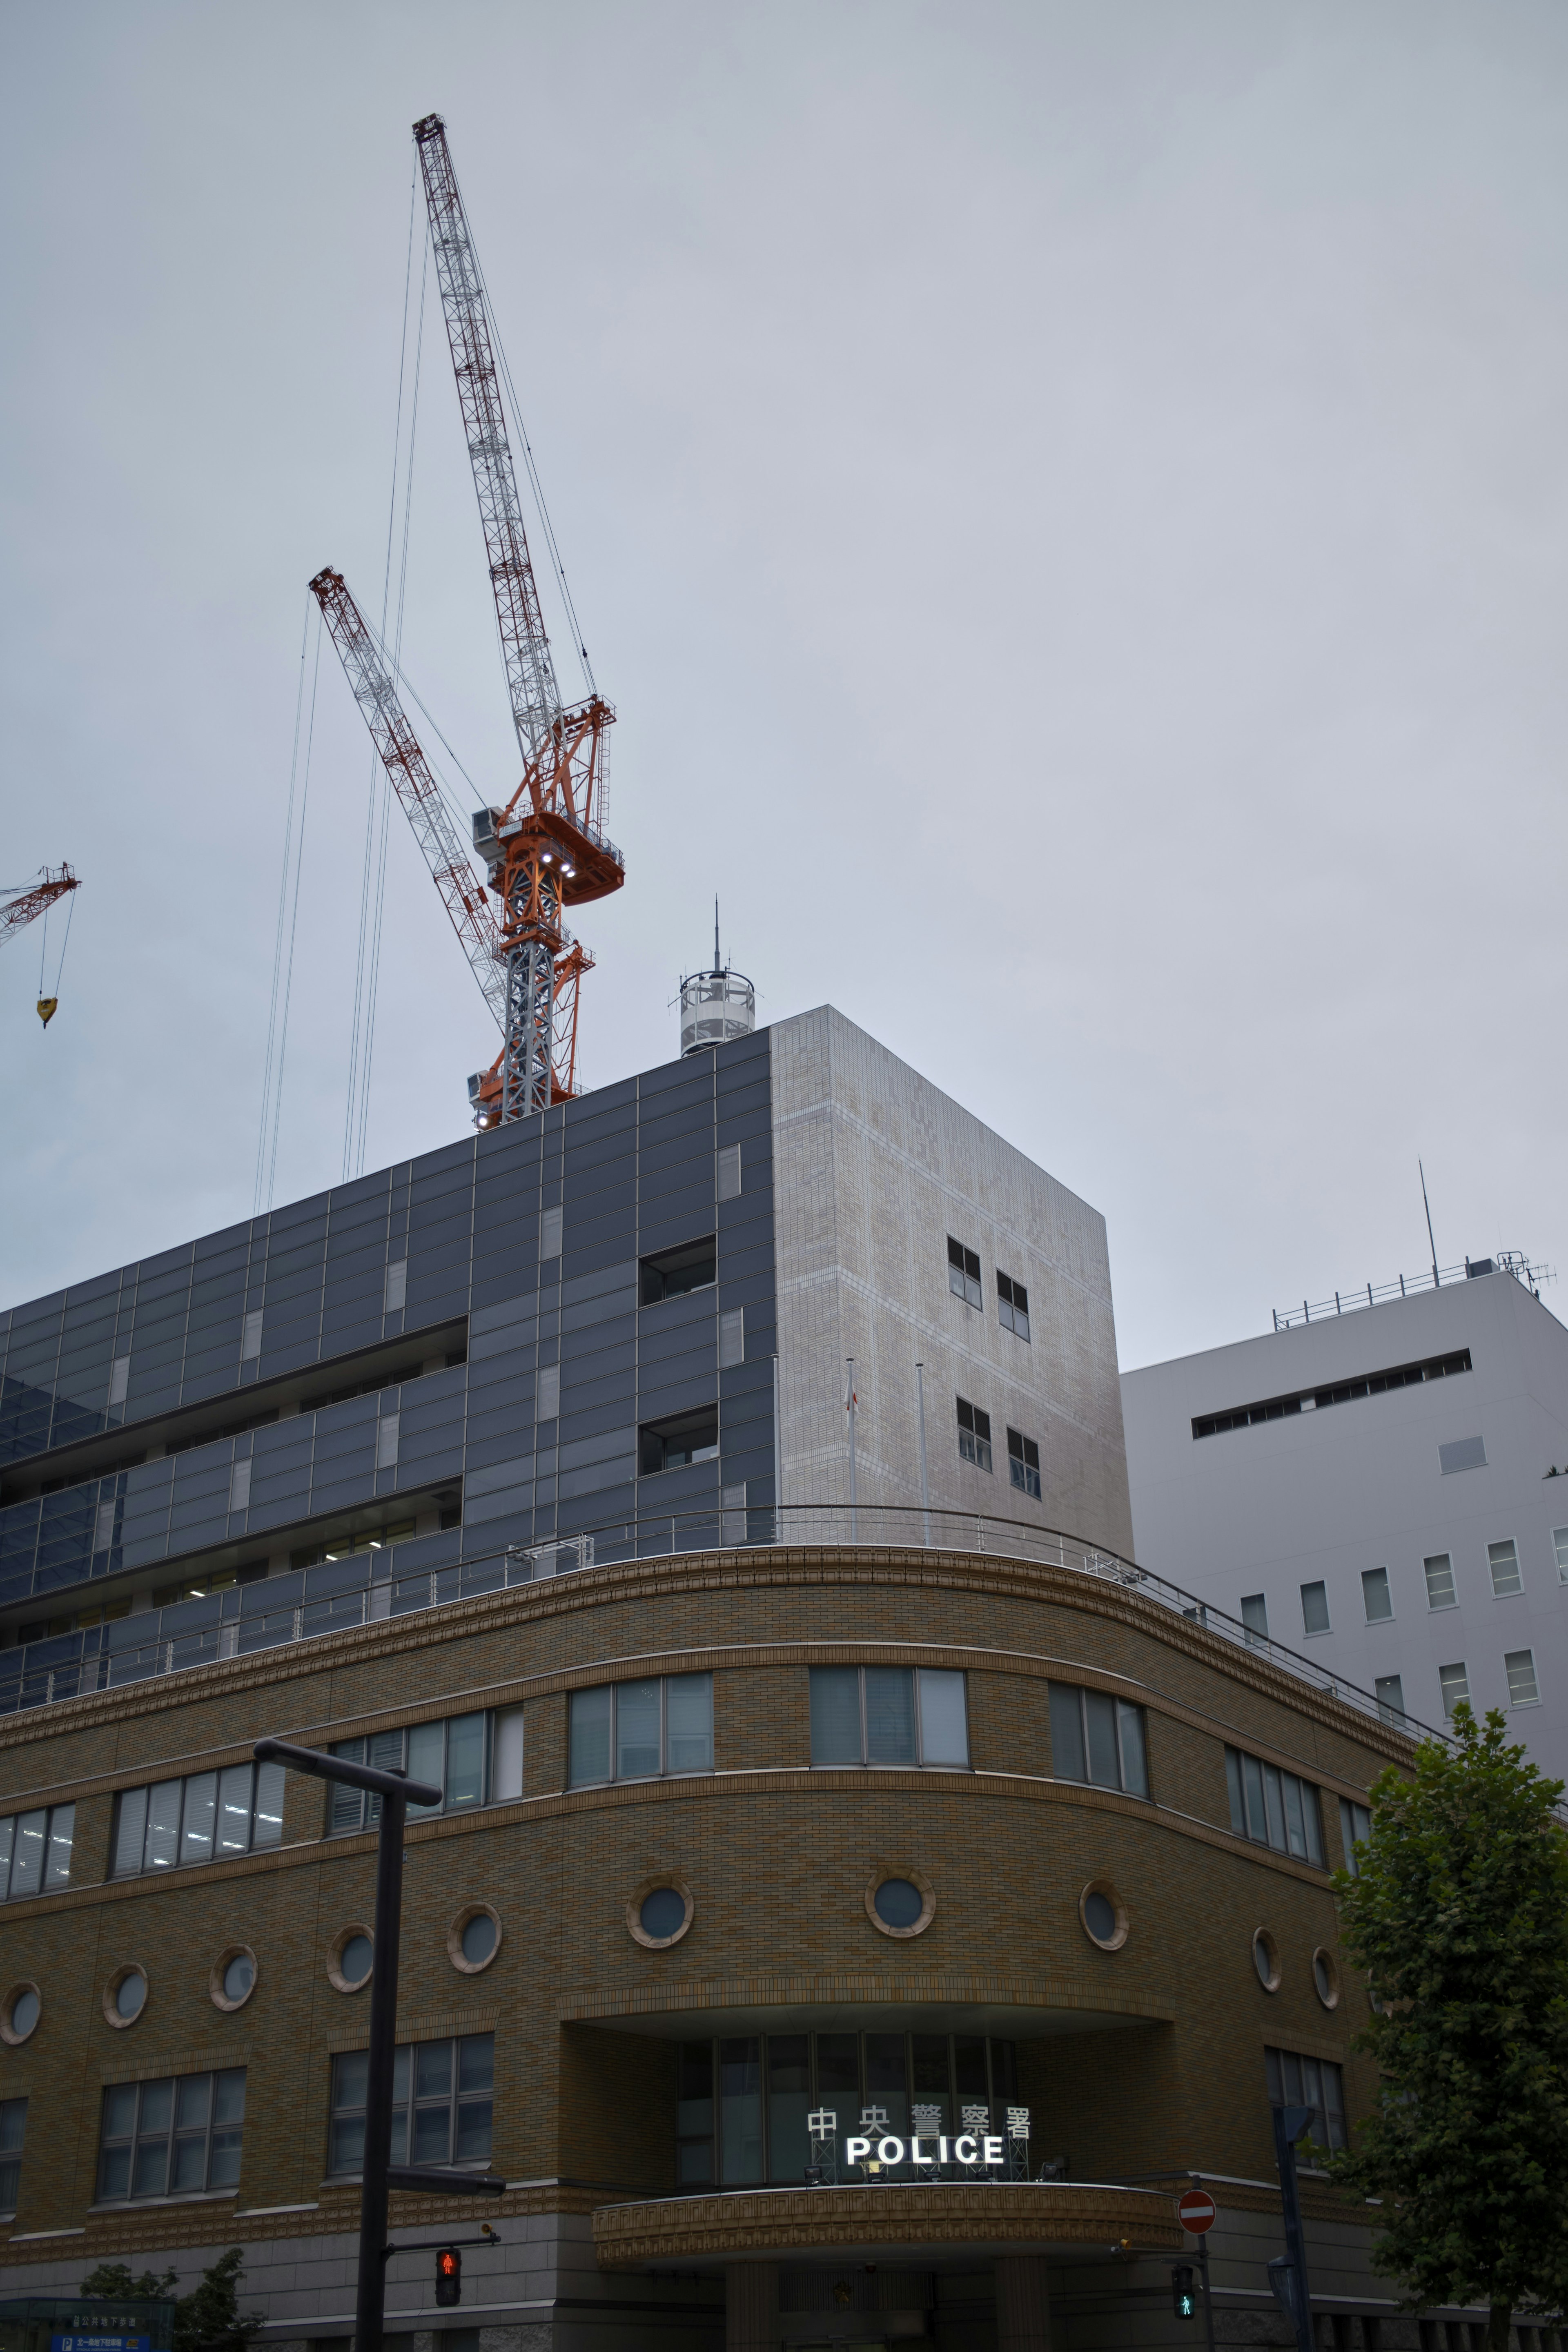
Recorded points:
(1071, 504)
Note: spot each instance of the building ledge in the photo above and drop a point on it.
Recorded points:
(943, 2218)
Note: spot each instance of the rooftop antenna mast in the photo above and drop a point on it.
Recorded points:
(715, 1005)
(1426, 1203)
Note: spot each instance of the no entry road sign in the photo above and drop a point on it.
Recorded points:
(1198, 2211)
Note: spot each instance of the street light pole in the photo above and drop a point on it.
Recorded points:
(396, 1792)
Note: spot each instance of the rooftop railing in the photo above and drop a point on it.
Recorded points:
(370, 1588)
(1345, 1302)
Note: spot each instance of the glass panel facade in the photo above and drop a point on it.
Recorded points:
(744, 2102)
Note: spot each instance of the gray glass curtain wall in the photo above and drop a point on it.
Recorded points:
(489, 1295)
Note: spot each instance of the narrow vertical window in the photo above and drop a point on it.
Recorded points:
(1376, 1598)
(394, 1290)
(1012, 1304)
(964, 1272)
(1439, 1573)
(12, 2130)
(1502, 1558)
(1522, 1688)
(974, 1434)
(732, 1337)
(507, 1769)
(1314, 1609)
(1454, 1683)
(1255, 1613)
(1024, 1463)
(550, 1233)
(729, 1172)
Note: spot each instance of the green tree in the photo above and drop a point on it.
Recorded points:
(208, 2319)
(1458, 1919)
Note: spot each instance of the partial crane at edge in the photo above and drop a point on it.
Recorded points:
(36, 898)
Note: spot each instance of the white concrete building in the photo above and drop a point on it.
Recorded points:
(906, 1232)
(1385, 1491)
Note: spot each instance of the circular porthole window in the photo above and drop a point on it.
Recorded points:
(350, 1961)
(23, 2007)
(125, 1994)
(900, 1903)
(1102, 1914)
(473, 1939)
(233, 1978)
(1265, 1959)
(660, 1912)
(1326, 1978)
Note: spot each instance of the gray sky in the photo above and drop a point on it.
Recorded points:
(1070, 503)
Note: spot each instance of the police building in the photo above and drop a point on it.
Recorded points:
(861, 1895)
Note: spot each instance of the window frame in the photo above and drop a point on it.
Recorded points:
(659, 1432)
(965, 1263)
(1352, 1832)
(58, 1836)
(1443, 1561)
(652, 1269)
(407, 2107)
(1508, 1563)
(1318, 1586)
(12, 2119)
(1453, 1679)
(274, 1776)
(665, 1771)
(1013, 1305)
(979, 1453)
(230, 2127)
(1509, 1663)
(1331, 2081)
(1560, 1551)
(867, 1762)
(344, 1800)
(1268, 1793)
(1369, 1588)
(1123, 1711)
(1024, 1463)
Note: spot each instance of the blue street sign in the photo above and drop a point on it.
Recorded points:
(100, 2343)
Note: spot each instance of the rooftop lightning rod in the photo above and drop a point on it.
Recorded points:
(1426, 1203)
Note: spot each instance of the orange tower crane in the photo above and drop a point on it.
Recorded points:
(544, 848)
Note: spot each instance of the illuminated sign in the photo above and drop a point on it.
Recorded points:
(929, 2146)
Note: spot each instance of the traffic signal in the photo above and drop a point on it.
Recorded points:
(1183, 2302)
(450, 2276)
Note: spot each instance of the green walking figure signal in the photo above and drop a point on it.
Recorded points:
(1184, 2300)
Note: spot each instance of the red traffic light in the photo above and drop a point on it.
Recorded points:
(449, 2275)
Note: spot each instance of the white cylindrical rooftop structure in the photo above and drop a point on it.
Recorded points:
(714, 1007)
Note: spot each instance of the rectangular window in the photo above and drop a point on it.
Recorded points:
(1314, 1609)
(675, 1273)
(1462, 1453)
(1440, 1593)
(506, 1756)
(394, 1290)
(1522, 1688)
(249, 1341)
(1255, 1613)
(178, 2137)
(13, 2128)
(1502, 1558)
(1376, 1598)
(1355, 1827)
(547, 1392)
(442, 2103)
(974, 1434)
(730, 1172)
(1098, 1738)
(732, 1337)
(1454, 1686)
(889, 1714)
(36, 1851)
(642, 1730)
(1390, 1693)
(451, 1753)
(1012, 1304)
(963, 1272)
(550, 1233)
(1273, 1808)
(1560, 1546)
(676, 1443)
(1024, 1463)
(207, 1817)
(1315, 2082)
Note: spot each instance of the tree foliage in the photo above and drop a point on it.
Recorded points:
(1458, 1919)
(208, 2319)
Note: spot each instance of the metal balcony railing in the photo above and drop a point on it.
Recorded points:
(368, 1588)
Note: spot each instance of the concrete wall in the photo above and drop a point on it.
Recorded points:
(1324, 1494)
(874, 1167)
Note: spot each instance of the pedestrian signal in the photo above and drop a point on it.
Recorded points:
(450, 2276)
(1183, 2302)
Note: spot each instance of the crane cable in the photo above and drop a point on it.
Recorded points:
(372, 875)
(283, 966)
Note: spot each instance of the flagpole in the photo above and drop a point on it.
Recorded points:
(849, 1401)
